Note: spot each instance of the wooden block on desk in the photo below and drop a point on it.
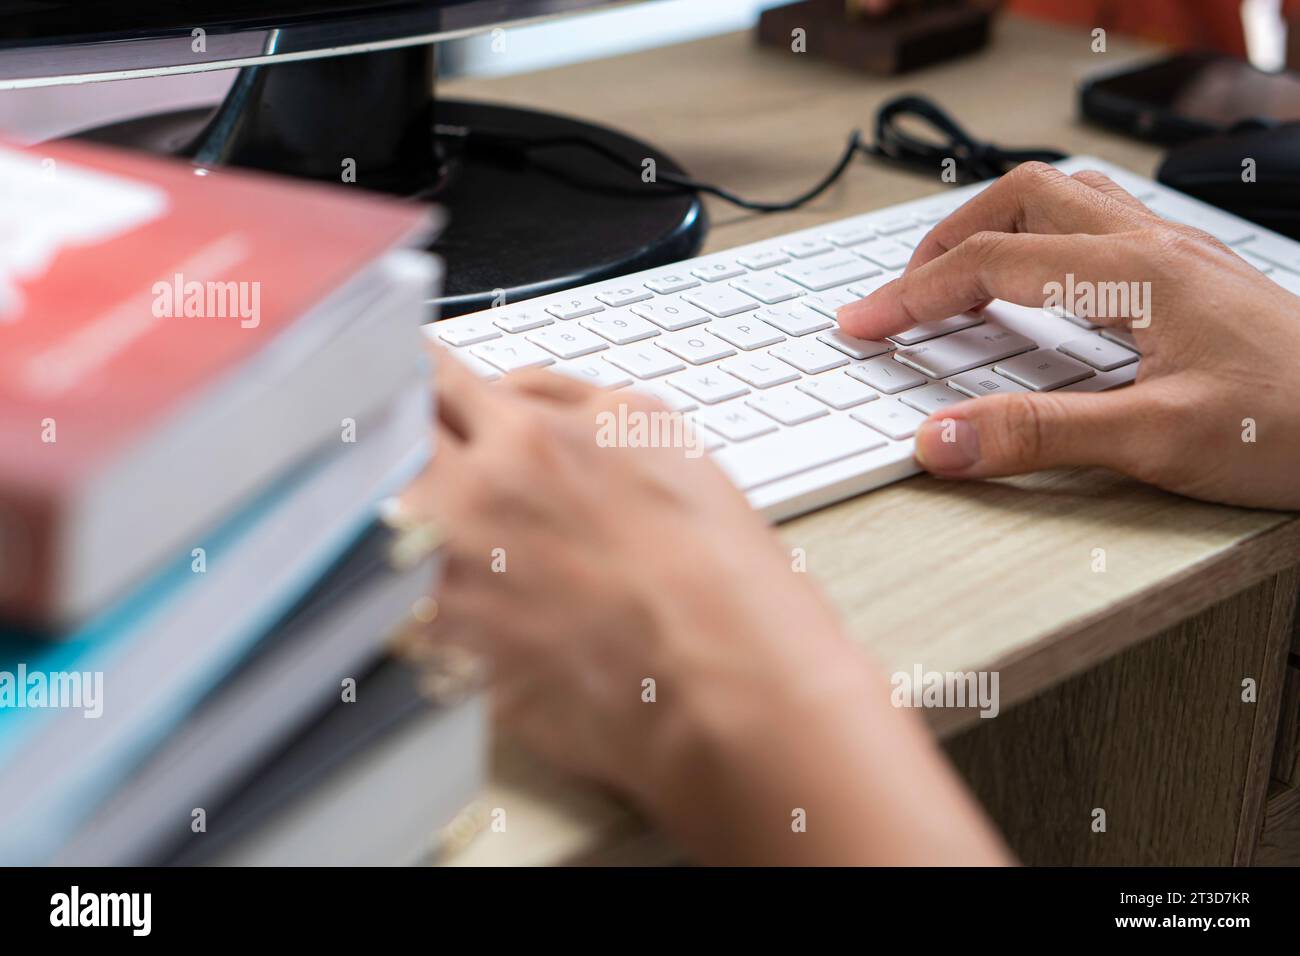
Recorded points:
(903, 40)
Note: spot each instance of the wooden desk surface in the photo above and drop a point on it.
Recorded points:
(993, 575)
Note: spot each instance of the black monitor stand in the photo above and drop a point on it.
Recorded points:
(520, 225)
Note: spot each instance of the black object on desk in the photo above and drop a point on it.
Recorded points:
(907, 38)
(1183, 97)
(516, 229)
(1253, 173)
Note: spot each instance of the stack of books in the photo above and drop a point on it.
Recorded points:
(209, 384)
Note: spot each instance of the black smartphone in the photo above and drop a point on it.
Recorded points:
(1190, 95)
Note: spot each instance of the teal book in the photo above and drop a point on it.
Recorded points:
(114, 689)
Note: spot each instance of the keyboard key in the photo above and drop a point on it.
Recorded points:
(851, 235)
(965, 350)
(1098, 352)
(860, 290)
(696, 347)
(911, 237)
(854, 348)
(791, 452)
(511, 355)
(1122, 337)
(885, 253)
(806, 248)
(828, 303)
(708, 439)
(596, 372)
(1071, 317)
(837, 390)
(717, 271)
(521, 320)
(644, 361)
(567, 341)
(760, 371)
(671, 315)
(759, 261)
(575, 307)
(735, 422)
(478, 366)
(668, 284)
(1105, 381)
(1043, 370)
(746, 333)
(720, 301)
(885, 375)
(624, 295)
(619, 327)
(708, 385)
(468, 333)
(929, 215)
(982, 381)
(796, 319)
(888, 225)
(768, 289)
(890, 417)
(789, 406)
(925, 331)
(811, 358)
(826, 272)
(929, 399)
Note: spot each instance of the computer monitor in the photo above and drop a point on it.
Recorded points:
(342, 91)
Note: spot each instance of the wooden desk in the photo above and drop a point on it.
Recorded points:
(1128, 681)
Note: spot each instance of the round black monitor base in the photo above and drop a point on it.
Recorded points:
(565, 217)
(522, 222)
(518, 228)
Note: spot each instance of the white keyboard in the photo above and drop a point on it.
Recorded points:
(745, 343)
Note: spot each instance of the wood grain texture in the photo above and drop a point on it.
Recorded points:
(1280, 843)
(1286, 752)
(953, 576)
(1158, 737)
(1277, 618)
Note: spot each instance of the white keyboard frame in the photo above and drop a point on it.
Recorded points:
(824, 485)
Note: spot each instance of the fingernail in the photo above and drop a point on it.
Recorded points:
(947, 445)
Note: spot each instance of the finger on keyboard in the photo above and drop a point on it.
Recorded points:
(566, 387)
(1032, 198)
(1104, 184)
(1017, 267)
(745, 341)
(465, 403)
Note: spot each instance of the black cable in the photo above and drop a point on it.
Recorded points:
(513, 146)
(973, 160)
(686, 184)
(854, 145)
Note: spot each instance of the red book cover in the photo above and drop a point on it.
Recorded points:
(127, 283)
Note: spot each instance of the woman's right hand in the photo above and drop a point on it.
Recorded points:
(1215, 411)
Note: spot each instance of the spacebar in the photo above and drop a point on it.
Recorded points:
(802, 448)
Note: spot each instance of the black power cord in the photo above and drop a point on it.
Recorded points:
(973, 159)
